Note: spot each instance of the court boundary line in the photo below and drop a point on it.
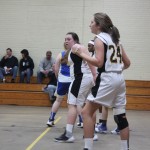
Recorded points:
(41, 135)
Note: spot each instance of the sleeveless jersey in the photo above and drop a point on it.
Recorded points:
(64, 71)
(112, 55)
(78, 66)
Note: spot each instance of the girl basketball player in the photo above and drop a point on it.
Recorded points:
(62, 72)
(83, 75)
(109, 90)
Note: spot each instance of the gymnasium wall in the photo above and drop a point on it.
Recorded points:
(41, 25)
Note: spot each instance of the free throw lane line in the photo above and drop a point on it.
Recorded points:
(41, 136)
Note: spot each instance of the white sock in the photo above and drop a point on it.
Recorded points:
(88, 143)
(124, 145)
(69, 130)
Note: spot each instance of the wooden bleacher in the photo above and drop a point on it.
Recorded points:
(33, 79)
(25, 94)
(138, 94)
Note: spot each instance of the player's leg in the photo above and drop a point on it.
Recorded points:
(122, 123)
(120, 115)
(54, 110)
(62, 89)
(102, 126)
(88, 123)
(80, 123)
(99, 115)
(79, 89)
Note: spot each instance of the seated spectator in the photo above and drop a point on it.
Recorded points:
(51, 86)
(26, 66)
(45, 67)
(9, 66)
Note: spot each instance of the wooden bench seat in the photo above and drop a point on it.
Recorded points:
(138, 102)
(24, 94)
(33, 79)
(138, 91)
(138, 95)
(21, 87)
(137, 83)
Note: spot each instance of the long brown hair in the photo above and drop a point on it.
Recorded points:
(106, 25)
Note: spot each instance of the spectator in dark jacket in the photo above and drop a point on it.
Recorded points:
(8, 65)
(26, 66)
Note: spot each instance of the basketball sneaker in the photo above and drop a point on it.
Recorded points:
(80, 124)
(101, 128)
(50, 123)
(95, 138)
(64, 139)
(115, 131)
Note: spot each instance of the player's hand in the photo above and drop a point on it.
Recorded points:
(76, 49)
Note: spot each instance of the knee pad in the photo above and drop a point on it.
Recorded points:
(121, 121)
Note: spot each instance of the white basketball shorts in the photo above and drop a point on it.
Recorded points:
(109, 90)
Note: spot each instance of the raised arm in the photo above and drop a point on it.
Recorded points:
(99, 53)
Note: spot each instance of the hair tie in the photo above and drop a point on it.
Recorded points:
(111, 27)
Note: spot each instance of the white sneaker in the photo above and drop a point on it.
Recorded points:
(95, 138)
(115, 131)
(101, 128)
(50, 123)
(80, 124)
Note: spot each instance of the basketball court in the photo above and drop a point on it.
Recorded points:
(24, 128)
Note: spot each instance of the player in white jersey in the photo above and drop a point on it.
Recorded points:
(109, 90)
(101, 126)
(83, 75)
(92, 51)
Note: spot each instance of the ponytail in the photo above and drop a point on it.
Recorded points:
(115, 35)
(64, 60)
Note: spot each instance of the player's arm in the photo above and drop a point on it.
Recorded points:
(57, 64)
(125, 58)
(92, 68)
(99, 53)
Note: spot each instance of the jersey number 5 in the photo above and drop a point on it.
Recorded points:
(116, 53)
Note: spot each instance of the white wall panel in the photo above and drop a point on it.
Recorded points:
(41, 25)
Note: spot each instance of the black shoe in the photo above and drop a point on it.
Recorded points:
(64, 138)
(12, 80)
(85, 149)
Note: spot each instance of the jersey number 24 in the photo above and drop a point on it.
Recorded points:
(115, 54)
